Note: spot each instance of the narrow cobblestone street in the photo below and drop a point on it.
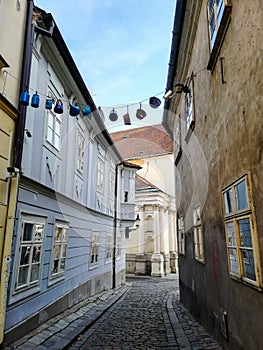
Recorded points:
(145, 314)
(144, 318)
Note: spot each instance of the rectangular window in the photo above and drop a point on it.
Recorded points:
(80, 152)
(112, 183)
(189, 107)
(240, 238)
(59, 249)
(30, 253)
(181, 235)
(100, 175)
(215, 14)
(53, 129)
(198, 235)
(127, 233)
(94, 248)
(177, 139)
(109, 247)
(118, 248)
(218, 14)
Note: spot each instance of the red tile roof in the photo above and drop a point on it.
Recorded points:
(143, 142)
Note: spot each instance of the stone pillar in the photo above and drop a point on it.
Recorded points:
(173, 242)
(140, 266)
(157, 258)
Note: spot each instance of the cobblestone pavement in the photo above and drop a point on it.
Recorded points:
(145, 318)
(143, 314)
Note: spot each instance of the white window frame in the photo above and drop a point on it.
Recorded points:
(53, 134)
(33, 247)
(58, 263)
(215, 10)
(181, 235)
(240, 255)
(109, 247)
(218, 18)
(80, 152)
(198, 236)
(94, 249)
(118, 246)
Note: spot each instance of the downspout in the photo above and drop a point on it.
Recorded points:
(115, 226)
(24, 84)
(25, 78)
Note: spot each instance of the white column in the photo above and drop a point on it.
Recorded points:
(157, 258)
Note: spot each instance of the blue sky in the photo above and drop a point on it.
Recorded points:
(121, 48)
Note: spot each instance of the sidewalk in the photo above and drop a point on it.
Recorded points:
(60, 331)
(68, 327)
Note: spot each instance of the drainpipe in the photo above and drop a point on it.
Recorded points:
(115, 226)
(24, 84)
(25, 78)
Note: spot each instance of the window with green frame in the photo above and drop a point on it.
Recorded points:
(240, 236)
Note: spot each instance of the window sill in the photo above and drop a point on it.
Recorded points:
(247, 283)
(220, 37)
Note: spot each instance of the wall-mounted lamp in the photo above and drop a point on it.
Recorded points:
(11, 172)
(179, 88)
(136, 224)
(168, 95)
(28, 133)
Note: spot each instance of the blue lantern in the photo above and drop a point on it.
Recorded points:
(24, 98)
(86, 110)
(49, 103)
(74, 110)
(58, 107)
(35, 100)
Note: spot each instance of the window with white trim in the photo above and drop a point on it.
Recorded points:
(59, 249)
(94, 256)
(240, 233)
(198, 236)
(181, 235)
(118, 247)
(189, 107)
(53, 135)
(30, 253)
(109, 247)
(218, 20)
(215, 14)
(80, 152)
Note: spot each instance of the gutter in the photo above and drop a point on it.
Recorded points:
(176, 39)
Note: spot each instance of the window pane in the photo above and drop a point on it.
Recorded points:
(59, 233)
(36, 254)
(62, 265)
(57, 127)
(241, 195)
(34, 273)
(248, 264)
(22, 277)
(228, 201)
(39, 232)
(231, 234)
(25, 254)
(56, 141)
(245, 232)
(49, 135)
(28, 232)
(233, 260)
(55, 266)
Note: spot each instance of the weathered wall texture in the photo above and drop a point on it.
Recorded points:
(226, 144)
